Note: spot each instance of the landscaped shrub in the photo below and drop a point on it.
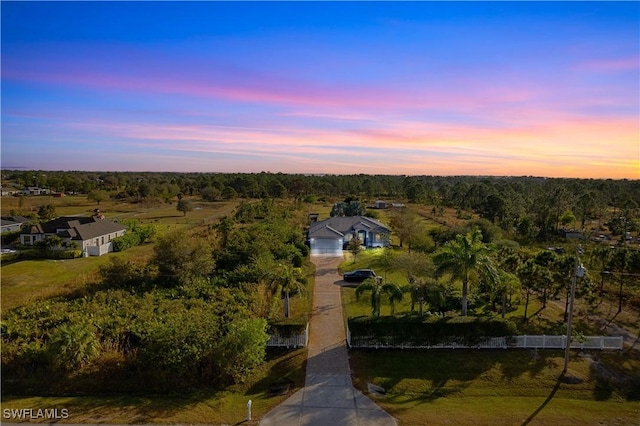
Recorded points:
(128, 240)
(431, 330)
(136, 234)
(287, 327)
(41, 254)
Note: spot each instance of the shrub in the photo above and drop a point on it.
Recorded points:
(288, 327)
(432, 330)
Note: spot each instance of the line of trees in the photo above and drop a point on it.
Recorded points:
(531, 207)
(470, 270)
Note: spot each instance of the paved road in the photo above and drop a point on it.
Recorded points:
(328, 397)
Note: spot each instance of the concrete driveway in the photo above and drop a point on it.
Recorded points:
(328, 397)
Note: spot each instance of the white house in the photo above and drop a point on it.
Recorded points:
(329, 237)
(93, 235)
(13, 223)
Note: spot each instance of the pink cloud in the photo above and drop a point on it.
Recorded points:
(613, 65)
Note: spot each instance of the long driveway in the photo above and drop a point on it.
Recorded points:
(328, 397)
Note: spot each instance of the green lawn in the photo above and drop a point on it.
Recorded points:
(29, 280)
(493, 387)
(490, 387)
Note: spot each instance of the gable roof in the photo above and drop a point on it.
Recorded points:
(76, 228)
(338, 226)
(17, 219)
(5, 222)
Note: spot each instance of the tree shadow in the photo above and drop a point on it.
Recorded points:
(531, 361)
(444, 373)
(546, 401)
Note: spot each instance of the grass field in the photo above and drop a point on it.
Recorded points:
(491, 388)
(30, 280)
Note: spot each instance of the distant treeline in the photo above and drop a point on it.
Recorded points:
(525, 202)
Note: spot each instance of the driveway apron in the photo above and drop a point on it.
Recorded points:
(328, 397)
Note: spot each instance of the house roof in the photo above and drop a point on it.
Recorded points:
(76, 228)
(336, 227)
(18, 219)
(4, 222)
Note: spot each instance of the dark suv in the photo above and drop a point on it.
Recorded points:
(359, 275)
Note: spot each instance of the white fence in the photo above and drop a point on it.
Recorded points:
(294, 341)
(560, 342)
(526, 342)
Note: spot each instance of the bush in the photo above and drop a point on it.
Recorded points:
(287, 327)
(128, 240)
(432, 330)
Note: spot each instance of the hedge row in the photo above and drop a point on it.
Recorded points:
(31, 254)
(432, 330)
(288, 327)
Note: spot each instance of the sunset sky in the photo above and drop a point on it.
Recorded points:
(418, 88)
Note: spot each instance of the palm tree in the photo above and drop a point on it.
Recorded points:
(462, 257)
(378, 287)
(532, 276)
(73, 345)
(288, 279)
(422, 291)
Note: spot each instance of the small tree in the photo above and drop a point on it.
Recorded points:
(243, 347)
(181, 258)
(567, 218)
(98, 195)
(184, 206)
(354, 246)
(288, 279)
(50, 242)
(47, 212)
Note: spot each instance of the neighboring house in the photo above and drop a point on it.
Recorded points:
(92, 234)
(34, 190)
(380, 204)
(570, 234)
(329, 237)
(13, 223)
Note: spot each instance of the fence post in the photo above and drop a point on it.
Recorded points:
(348, 336)
(306, 335)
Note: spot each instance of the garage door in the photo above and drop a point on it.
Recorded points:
(326, 247)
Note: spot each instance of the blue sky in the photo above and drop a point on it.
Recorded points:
(439, 88)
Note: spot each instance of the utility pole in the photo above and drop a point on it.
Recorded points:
(578, 272)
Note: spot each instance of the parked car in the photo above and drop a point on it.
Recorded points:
(359, 275)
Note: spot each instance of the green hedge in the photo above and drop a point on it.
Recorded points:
(431, 330)
(287, 328)
(31, 254)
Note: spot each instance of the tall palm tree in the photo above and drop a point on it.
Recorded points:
(378, 287)
(463, 256)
